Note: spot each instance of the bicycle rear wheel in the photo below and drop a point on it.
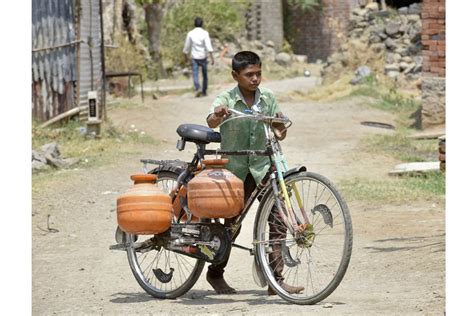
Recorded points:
(316, 261)
(159, 271)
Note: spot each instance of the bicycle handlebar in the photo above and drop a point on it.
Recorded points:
(257, 117)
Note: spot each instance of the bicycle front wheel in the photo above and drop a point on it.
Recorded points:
(306, 268)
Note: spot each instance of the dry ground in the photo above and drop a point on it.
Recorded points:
(398, 259)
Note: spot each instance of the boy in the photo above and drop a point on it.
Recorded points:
(246, 134)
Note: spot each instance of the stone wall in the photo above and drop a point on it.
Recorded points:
(316, 32)
(373, 36)
(264, 22)
(434, 63)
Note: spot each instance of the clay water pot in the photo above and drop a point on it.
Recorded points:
(144, 209)
(215, 192)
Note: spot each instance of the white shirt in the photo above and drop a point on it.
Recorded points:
(199, 42)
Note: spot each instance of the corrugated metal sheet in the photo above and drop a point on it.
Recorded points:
(53, 62)
(67, 55)
(90, 51)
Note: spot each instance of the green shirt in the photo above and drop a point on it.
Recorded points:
(245, 134)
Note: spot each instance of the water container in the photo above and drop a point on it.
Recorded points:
(177, 207)
(215, 192)
(144, 209)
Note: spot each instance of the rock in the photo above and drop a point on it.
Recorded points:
(408, 68)
(390, 58)
(413, 77)
(360, 12)
(414, 8)
(283, 59)
(415, 38)
(418, 68)
(51, 149)
(418, 60)
(186, 72)
(258, 45)
(413, 18)
(403, 10)
(401, 50)
(55, 162)
(361, 74)
(154, 96)
(403, 65)
(302, 59)
(392, 67)
(373, 38)
(393, 74)
(378, 47)
(392, 28)
(38, 156)
(379, 30)
(407, 59)
(414, 49)
(374, 6)
(269, 54)
(403, 28)
(37, 165)
(357, 32)
(390, 44)
(270, 44)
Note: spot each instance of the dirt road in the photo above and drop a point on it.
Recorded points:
(397, 266)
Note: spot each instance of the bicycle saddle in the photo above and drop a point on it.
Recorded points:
(198, 134)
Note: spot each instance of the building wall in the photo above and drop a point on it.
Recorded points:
(434, 62)
(265, 22)
(316, 32)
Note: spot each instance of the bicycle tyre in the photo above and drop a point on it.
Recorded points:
(188, 270)
(309, 259)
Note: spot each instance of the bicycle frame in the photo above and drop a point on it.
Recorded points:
(273, 180)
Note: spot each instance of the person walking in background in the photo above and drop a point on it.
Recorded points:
(199, 44)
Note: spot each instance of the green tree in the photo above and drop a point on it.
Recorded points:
(155, 10)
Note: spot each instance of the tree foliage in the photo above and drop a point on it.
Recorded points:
(223, 19)
(304, 5)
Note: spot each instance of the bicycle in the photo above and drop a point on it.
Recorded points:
(316, 249)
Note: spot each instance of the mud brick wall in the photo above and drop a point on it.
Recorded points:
(316, 32)
(434, 63)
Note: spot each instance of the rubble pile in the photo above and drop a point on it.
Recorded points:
(48, 156)
(395, 35)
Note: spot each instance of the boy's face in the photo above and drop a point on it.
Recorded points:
(248, 78)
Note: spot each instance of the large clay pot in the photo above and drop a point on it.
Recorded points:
(215, 192)
(144, 209)
(177, 207)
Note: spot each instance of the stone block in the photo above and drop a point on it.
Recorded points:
(433, 101)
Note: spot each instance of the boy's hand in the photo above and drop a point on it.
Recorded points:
(279, 128)
(221, 111)
(217, 116)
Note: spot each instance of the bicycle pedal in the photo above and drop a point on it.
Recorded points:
(119, 247)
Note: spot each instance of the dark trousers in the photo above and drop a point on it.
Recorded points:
(277, 231)
(196, 63)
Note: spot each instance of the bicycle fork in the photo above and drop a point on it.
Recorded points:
(291, 220)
